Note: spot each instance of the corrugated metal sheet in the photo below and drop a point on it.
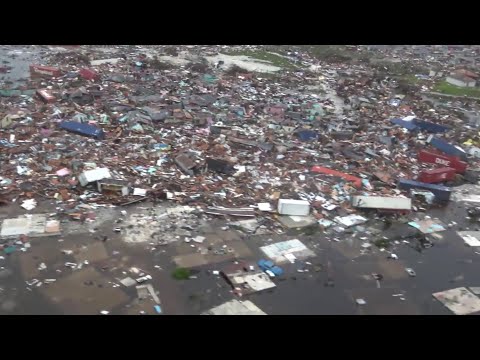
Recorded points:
(382, 202)
(248, 212)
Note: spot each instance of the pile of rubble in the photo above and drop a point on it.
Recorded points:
(119, 130)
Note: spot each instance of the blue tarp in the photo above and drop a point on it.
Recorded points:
(83, 129)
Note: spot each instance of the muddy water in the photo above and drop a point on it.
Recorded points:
(19, 59)
(447, 264)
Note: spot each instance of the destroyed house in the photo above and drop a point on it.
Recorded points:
(220, 166)
(460, 80)
(244, 281)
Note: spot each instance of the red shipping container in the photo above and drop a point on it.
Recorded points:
(88, 74)
(45, 71)
(431, 157)
(46, 96)
(357, 182)
(437, 175)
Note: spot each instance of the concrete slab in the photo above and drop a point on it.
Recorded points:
(293, 222)
(460, 301)
(73, 296)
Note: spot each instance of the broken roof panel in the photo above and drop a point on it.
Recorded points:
(36, 225)
(428, 226)
(460, 301)
(277, 251)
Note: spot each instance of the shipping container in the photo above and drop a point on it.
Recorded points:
(83, 129)
(45, 96)
(88, 74)
(411, 123)
(401, 204)
(357, 182)
(445, 147)
(430, 127)
(442, 193)
(432, 157)
(293, 207)
(38, 70)
(437, 175)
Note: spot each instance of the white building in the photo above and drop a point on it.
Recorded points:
(462, 81)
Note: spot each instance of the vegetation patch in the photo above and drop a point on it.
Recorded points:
(382, 243)
(181, 274)
(449, 89)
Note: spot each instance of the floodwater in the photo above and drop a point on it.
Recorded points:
(447, 264)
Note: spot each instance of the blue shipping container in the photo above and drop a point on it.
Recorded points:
(416, 124)
(430, 127)
(441, 193)
(447, 148)
(83, 129)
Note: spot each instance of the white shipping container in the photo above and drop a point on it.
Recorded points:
(94, 175)
(293, 207)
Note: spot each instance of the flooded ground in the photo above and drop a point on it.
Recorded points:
(339, 273)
